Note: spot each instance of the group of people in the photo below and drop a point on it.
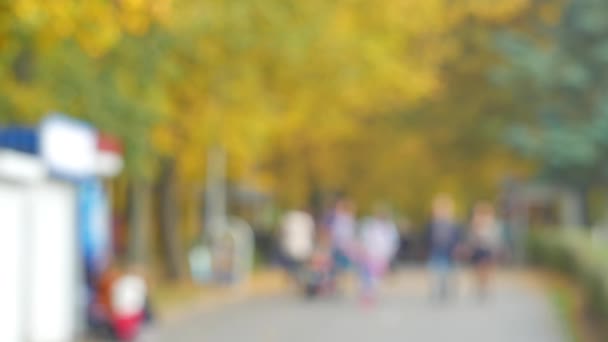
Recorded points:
(448, 243)
(315, 254)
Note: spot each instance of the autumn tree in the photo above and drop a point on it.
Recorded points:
(560, 69)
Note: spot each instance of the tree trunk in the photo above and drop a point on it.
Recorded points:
(583, 193)
(315, 201)
(168, 219)
(197, 212)
(139, 220)
(23, 65)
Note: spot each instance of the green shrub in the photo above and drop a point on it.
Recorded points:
(573, 253)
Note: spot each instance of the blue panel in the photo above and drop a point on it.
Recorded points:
(94, 227)
(18, 138)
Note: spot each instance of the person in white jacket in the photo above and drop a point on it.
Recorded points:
(297, 239)
(378, 245)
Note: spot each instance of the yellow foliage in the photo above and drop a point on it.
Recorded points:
(302, 94)
(498, 11)
(551, 12)
(96, 24)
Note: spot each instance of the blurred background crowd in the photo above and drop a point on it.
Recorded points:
(180, 140)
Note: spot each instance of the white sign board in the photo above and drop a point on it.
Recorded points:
(68, 147)
(20, 167)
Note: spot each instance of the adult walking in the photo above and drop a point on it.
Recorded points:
(485, 241)
(379, 243)
(443, 236)
(297, 240)
(341, 227)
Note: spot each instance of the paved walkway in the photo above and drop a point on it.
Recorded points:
(518, 311)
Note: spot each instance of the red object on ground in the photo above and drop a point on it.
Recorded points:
(127, 327)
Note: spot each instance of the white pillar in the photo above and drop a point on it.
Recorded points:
(54, 292)
(13, 219)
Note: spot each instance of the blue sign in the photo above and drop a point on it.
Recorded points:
(17, 138)
(94, 226)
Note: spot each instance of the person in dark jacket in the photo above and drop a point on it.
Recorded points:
(443, 236)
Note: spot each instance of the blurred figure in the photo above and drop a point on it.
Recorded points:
(100, 313)
(318, 277)
(504, 220)
(404, 227)
(341, 227)
(129, 292)
(297, 240)
(485, 243)
(443, 236)
(379, 242)
(122, 305)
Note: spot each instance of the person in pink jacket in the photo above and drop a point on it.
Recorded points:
(378, 244)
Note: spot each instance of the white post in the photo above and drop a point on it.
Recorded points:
(215, 195)
(13, 217)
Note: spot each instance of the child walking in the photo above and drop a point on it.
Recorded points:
(379, 242)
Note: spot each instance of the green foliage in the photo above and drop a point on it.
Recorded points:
(565, 298)
(574, 253)
(96, 60)
(561, 70)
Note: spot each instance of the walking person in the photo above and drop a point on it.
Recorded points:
(378, 245)
(318, 278)
(485, 243)
(297, 241)
(443, 237)
(340, 225)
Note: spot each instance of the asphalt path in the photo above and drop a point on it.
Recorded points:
(515, 311)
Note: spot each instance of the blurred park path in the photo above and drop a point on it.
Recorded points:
(174, 302)
(518, 311)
